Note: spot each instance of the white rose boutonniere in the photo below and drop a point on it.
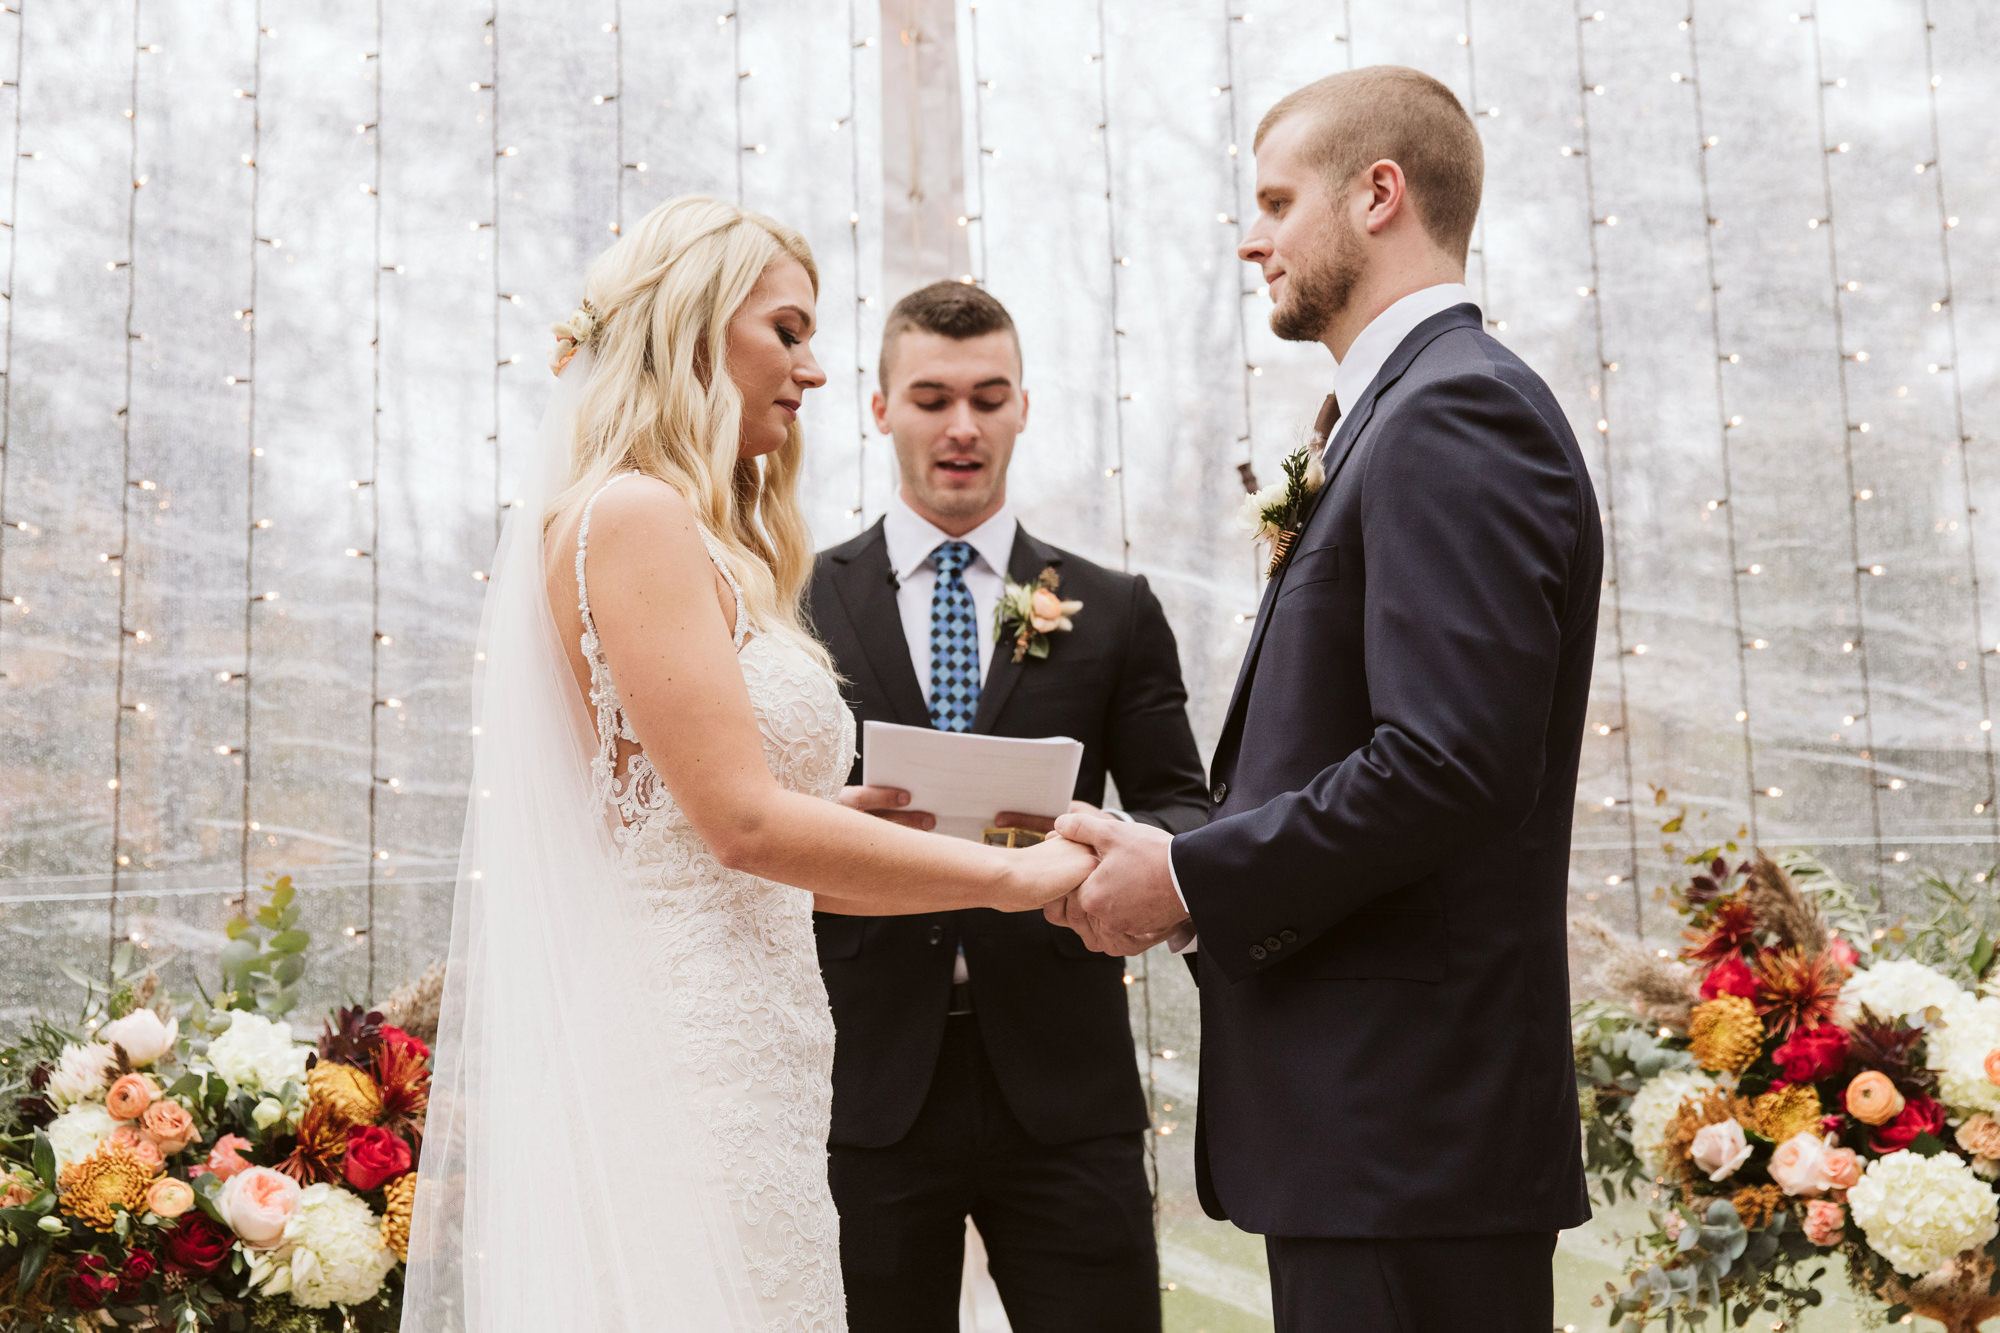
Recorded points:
(1029, 613)
(1276, 513)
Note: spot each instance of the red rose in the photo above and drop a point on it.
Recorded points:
(374, 1157)
(1731, 976)
(398, 1037)
(197, 1244)
(139, 1266)
(92, 1284)
(1920, 1115)
(1813, 1053)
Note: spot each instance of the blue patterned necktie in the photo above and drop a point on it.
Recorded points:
(954, 641)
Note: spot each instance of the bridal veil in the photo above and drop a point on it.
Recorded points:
(567, 1180)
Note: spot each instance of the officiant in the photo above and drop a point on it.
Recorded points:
(984, 1063)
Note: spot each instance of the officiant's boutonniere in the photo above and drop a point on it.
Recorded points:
(1276, 513)
(1029, 613)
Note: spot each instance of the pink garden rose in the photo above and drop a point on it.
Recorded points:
(1799, 1165)
(1720, 1149)
(1841, 1168)
(257, 1202)
(1825, 1220)
(226, 1158)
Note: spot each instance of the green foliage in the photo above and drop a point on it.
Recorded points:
(1958, 938)
(265, 956)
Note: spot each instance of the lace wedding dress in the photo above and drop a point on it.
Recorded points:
(733, 957)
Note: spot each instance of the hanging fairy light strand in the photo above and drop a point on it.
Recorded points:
(1726, 425)
(492, 226)
(735, 20)
(1472, 105)
(856, 44)
(982, 87)
(617, 100)
(1246, 442)
(253, 523)
(1122, 395)
(1948, 307)
(1858, 645)
(377, 783)
(7, 298)
(1606, 367)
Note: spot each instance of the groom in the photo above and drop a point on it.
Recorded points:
(1378, 901)
(983, 1062)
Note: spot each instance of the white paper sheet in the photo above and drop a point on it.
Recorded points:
(965, 780)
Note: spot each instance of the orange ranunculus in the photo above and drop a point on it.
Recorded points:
(1872, 1098)
(1993, 1065)
(226, 1158)
(170, 1125)
(170, 1197)
(130, 1096)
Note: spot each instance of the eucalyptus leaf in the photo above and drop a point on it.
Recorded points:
(290, 941)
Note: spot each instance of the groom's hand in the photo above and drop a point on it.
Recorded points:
(1128, 904)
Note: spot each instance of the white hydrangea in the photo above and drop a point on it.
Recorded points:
(81, 1073)
(257, 1054)
(76, 1133)
(1897, 988)
(332, 1252)
(1957, 1049)
(1655, 1105)
(1918, 1212)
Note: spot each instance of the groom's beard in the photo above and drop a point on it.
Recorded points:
(1320, 290)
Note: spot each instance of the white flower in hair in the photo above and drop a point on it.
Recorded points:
(578, 331)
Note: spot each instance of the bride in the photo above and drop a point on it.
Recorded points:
(633, 1080)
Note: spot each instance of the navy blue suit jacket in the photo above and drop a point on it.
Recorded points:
(1380, 892)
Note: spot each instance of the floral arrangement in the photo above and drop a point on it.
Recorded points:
(579, 330)
(1028, 613)
(1778, 1098)
(186, 1165)
(1277, 512)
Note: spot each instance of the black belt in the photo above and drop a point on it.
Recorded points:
(961, 998)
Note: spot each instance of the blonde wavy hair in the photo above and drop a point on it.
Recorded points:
(660, 400)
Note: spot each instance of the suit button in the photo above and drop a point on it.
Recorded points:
(1220, 793)
(1274, 944)
(1259, 952)
(1289, 936)
(937, 935)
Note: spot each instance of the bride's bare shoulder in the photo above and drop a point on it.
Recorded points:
(643, 523)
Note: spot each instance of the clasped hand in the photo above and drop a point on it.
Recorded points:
(1128, 903)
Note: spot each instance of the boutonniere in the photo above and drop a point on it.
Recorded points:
(1276, 513)
(1029, 613)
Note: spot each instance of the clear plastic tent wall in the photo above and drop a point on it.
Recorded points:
(279, 275)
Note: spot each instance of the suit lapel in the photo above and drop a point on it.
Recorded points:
(867, 590)
(1338, 449)
(1026, 563)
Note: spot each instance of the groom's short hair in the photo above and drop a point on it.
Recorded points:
(956, 310)
(1390, 111)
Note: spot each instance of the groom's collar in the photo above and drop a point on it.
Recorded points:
(1385, 333)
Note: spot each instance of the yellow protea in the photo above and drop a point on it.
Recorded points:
(347, 1093)
(111, 1179)
(1725, 1034)
(400, 1198)
(1784, 1112)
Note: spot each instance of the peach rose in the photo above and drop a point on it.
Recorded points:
(226, 1158)
(1841, 1168)
(1993, 1066)
(1799, 1165)
(130, 1096)
(141, 1145)
(170, 1125)
(1872, 1098)
(1825, 1220)
(1719, 1149)
(1980, 1136)
(16, 1193)
(257, 1202)
(169, 1197)
(1049, 613)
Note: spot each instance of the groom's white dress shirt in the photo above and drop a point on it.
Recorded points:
(1351, 378)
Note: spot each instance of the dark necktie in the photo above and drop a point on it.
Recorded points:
(1324, 424)
(954, 641)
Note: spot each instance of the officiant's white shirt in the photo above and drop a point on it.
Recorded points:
(912, 538)
(1352, 375)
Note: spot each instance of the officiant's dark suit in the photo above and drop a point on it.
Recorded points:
(1044, 1060)
(1385, 1069)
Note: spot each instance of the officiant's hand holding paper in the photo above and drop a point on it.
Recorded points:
(890, 803)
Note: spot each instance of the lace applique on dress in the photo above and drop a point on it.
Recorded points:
(735, 957)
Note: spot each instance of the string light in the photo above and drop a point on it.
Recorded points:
(982, 88)
(1479, 224)
(1111, 255)
(375, 636)
(1725, 422)
(1949, 309)
(1859, 642)
(492, 89)
(253, 524)
(1611, 581)
(736, 63)
(7, 338)
(119, 860)
(856, 44)
(617, 29)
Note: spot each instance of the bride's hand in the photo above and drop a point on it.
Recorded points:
(1045, 872)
